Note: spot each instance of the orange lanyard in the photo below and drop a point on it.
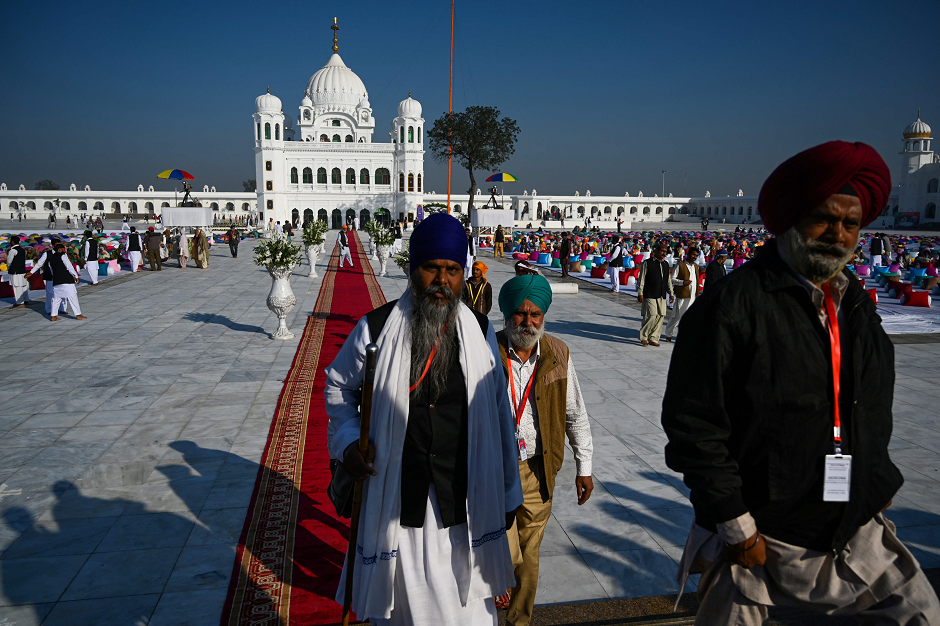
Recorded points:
(512, 388)
(835, 347)
(427, 365)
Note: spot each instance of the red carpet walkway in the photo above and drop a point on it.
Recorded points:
(291, 551)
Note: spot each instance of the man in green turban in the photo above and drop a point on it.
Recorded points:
(547, 405)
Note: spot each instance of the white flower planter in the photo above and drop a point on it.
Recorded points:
(313, 253)
(281, 300)
(372, 249)
(383, 259)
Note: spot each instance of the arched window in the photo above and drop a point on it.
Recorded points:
(322, 216)
(607, 210)
(148, 206)
(214, 206)
(81, 206)
(383, 177)
(411, 182)
(364, 217)
(324, 139)
(337, 219)
(364, 176)
(336, 176)
(116, 207)
(245, 206)
(750, 211)
(659, 210)
(580, 210)
(277, 132)
(916, 146)
(308, 216)
(419, 134)
(456, 208)
(321, 176)
(740, 210)
(401, 131)
(932, 185)
(411, 134)
(349, 139)
(709, 210)
(308, 175)
(267, 130)
(293, 175)
(131, 207)
(335, 122)
(259, 130)
(401, 181)
(633, 210)
(65, 206)
(646, 210)
(724, 210)
(350, 176)
(307, 115)
(336, 139)
(672, 210)
(419, 182)
(930, 212)
(294, 216)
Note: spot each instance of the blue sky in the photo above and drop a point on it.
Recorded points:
(607, 94)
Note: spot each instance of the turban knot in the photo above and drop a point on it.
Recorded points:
(440, 236)
(803, 182)
(532, 287)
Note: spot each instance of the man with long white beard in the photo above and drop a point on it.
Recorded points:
(783, 438)
(441, 478)
(547, 405)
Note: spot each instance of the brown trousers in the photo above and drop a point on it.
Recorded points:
(498, 250)
(156, 263)
(525, 537)
(565, 264)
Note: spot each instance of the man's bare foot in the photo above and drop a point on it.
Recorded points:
(54, 318)
(645, 342)
(80, 317)
(654, 344)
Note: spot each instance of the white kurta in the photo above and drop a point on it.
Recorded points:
(18, 281)
(66, 292)
(447, 575)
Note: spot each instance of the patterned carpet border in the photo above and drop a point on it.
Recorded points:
(260, 594)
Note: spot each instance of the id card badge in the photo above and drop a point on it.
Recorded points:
(523, 455)
(837, 478)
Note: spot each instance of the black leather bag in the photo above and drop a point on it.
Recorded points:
(340, 490)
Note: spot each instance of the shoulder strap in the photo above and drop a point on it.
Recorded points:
(376, 319)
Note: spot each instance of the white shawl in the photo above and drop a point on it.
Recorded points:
(493, 470)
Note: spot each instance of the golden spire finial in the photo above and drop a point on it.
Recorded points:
(269, 90)
(335, 28)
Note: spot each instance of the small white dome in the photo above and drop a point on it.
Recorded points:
(306, 102)
(409, 107)
(917, 129)
(267, 103)
(364, 103)
(335, 85)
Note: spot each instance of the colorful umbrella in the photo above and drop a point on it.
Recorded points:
(502, 177)
(176, 174)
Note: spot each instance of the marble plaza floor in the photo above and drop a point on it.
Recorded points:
(129, 446)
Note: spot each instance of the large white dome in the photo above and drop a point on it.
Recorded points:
(267, 103)
(917, 129)
(335, 85)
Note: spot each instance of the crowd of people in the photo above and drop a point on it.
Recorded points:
(782, 439)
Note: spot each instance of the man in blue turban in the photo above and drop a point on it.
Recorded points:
(427, 501)
(547, 405)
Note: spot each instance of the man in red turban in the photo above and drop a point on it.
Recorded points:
(783, 438)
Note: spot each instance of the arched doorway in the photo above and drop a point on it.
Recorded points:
(321, 216)
(308, 216)
(337, 220)
(116, 207)
(294, 217)
(383, 217)
(364, 218)
(350, 215)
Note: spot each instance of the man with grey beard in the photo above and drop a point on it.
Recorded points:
(783, 437)
(547, 405)
(441, 479)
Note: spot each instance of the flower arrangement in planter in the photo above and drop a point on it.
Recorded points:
(313, 235)
(384, 239)
(403, 259)
(279, 256)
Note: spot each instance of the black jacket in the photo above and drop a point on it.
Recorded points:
(750, 426)
(714, 272)
(877, 247)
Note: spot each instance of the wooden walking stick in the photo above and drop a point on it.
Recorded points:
(365, 417)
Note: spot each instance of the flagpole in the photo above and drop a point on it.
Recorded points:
(450, 148)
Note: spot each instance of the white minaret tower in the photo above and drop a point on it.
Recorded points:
(408, 175)
(915, 155)
(269, 157)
